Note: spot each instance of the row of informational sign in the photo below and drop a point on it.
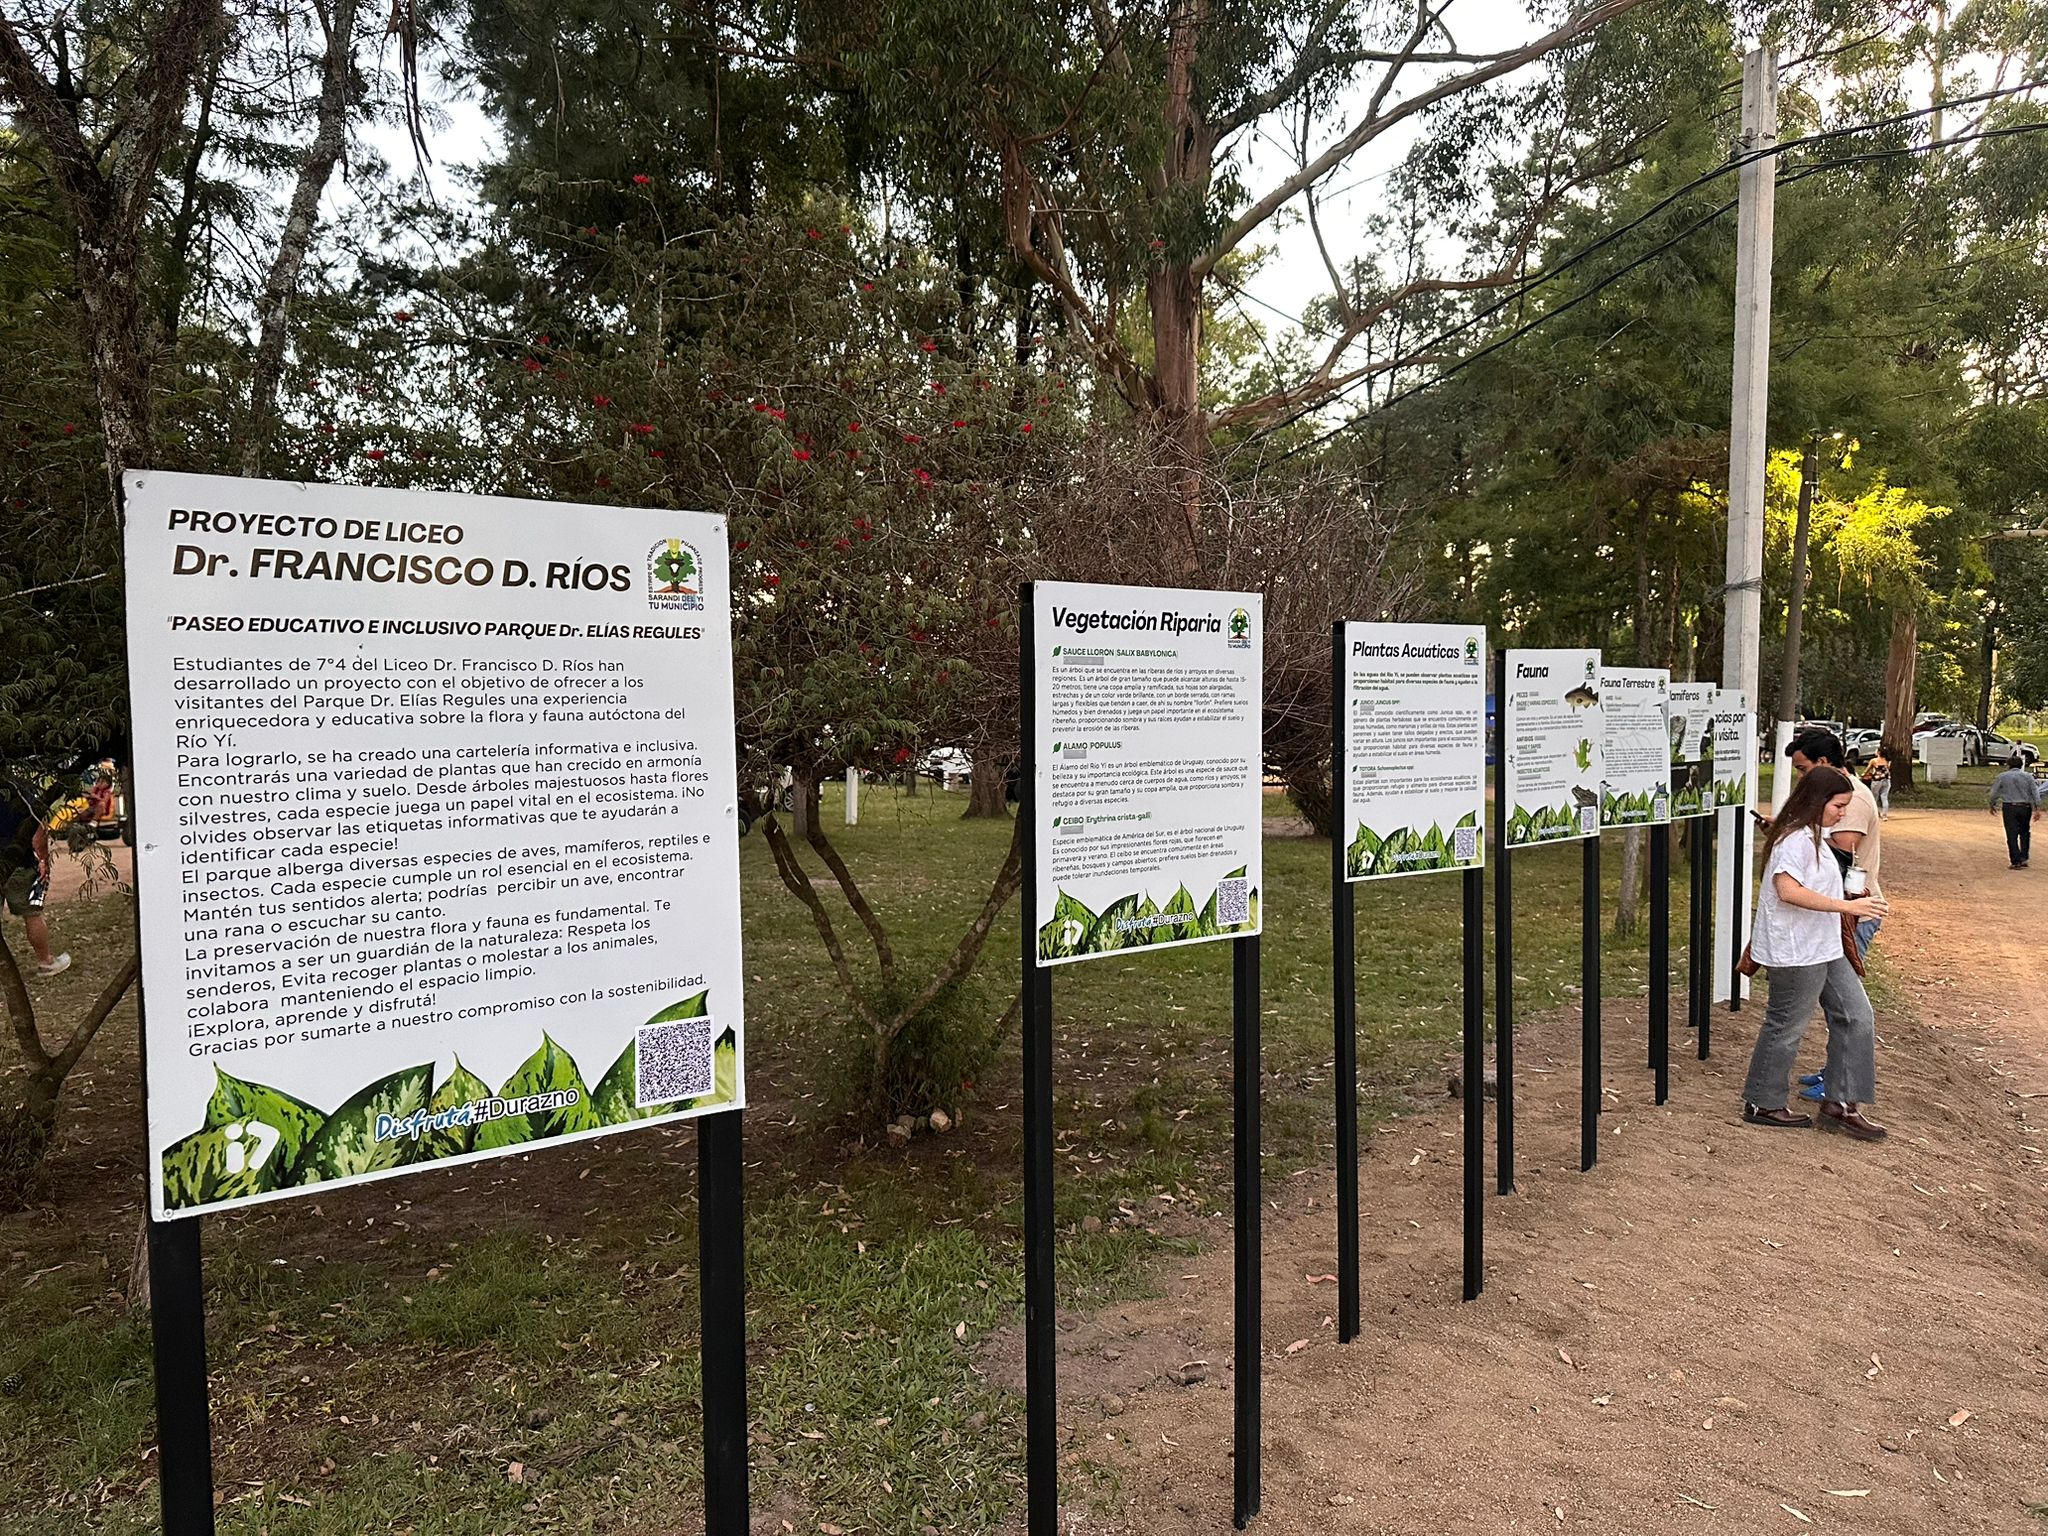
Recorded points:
(438, 833)
(1584, 747)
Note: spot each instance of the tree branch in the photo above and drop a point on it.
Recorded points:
(81, 1037)
(1377, 123)
(21, 1010)
(800, 886)
(282, 284)
(885, 956)
(968, 950)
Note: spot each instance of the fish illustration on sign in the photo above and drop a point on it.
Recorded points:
(1582, 697)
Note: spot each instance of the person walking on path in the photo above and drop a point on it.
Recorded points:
(25, 871)
(1856, 839)
(1879, 777)
(1798, 938)
(2015, 795)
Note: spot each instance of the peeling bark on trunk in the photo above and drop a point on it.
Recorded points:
(282, 284)
(106, 190)
(1901, 689)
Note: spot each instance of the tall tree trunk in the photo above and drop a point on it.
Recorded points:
(1901, 690)
(107, 188)
(282, 285)
(803, 801)
(1987, 661)
(987, 789)
(1173, 293)
(1175, 298)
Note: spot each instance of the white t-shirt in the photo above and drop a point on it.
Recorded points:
(1789, 935)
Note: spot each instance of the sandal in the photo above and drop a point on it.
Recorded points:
(1850, 1121)
(1775, 1119)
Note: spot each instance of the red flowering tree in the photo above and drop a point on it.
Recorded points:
(877, 484)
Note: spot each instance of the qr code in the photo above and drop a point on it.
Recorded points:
(1589, 819)
(1233, 902)
(1464, 844)
(672, 1061)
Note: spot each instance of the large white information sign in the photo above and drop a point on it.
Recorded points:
(437, 848)
(1414, 793)
(1147, 741)
(1692, 749)
(1734, 746)
(1636, 789)
(1552, 723)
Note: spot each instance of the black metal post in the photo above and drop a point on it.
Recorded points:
(722, 1302)
(1503, 943)
(1589, 1008)
(1244, 1054)
(1738, 885)
(1660, 959)
(1695, 844)
(184, 1422)
(1041, 1361)
(1475, 1084)
(1344, 979)
(1703, 956)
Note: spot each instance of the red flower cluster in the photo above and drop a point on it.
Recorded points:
(374, 453)
(801, 454)
(401, 315)
(644, 428)
(642, 181)
(600, 401)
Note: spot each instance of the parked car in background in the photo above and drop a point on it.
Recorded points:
(944, 765)
(1922, 737)
(1989, 747)
(1861, 745)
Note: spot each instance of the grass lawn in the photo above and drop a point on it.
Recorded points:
(511, 1347)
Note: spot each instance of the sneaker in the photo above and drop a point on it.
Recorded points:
(56, 967)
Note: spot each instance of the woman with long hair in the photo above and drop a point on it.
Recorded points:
(1799, 938)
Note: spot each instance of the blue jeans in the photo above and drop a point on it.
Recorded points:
(1866, 930)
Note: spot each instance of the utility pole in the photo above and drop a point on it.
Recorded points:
(1747, 447)
(1795, 621)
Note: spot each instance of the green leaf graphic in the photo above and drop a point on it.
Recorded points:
(1364, 850)
(696, 1006)
(294, 1120)
(463, 1087)
(347, 1143)
(725, 1074)
(1067, 933)
(1103, 933)
(548, 1070)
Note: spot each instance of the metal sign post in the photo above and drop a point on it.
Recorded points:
(1474, 882)
(722, 1312)
(177, 1325)
(1408, 797)
(1099, 671)
(1589, 1006)
(1660, 960)
(1344, 992)
(1503, 944)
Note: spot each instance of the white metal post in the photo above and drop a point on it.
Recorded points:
(1747, 448)
(853, 797)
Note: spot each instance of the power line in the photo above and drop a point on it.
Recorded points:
(1785, 178)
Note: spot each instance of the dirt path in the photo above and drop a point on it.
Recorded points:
(1715, 1324)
